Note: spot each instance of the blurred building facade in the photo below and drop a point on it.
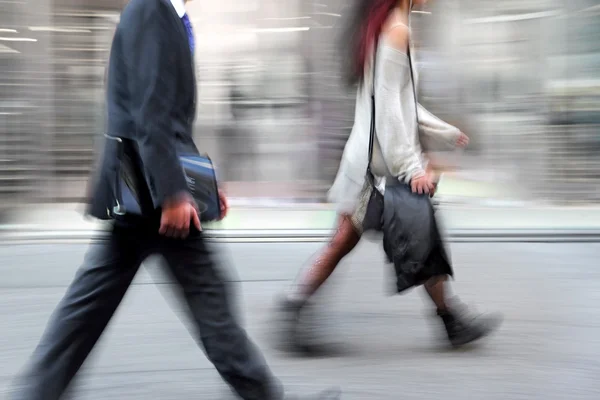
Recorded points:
(521, 77)
(525, 82)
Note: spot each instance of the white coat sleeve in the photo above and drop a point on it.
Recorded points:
(436, 130)
(402, 158)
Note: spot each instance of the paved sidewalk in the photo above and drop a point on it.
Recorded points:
(547, 348)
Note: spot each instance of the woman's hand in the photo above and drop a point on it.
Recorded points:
(422, 184)
(433, 178)
(462, 141)
(224, 204)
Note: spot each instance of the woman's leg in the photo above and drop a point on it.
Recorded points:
(340, 245)
(461, 326)
(289, 308)
(436, 290)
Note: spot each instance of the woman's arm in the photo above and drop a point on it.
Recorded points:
(399, 152)
(397, 146)
(437, 130)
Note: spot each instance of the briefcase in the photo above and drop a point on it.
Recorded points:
(201, 179)
(199, 174)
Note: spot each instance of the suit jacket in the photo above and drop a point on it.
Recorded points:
(150, 97)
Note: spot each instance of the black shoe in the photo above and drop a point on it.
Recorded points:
(287, 320)
(297, 329)
(463, 328)
(329, 394)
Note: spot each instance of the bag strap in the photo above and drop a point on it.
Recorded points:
(370, 175)
(119, 209)
(412, 81)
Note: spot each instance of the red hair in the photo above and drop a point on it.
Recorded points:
(374, 13)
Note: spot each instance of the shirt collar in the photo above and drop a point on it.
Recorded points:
(179, 6)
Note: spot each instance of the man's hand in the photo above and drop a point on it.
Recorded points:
(462, 141)
(224, 204)
(176, 218)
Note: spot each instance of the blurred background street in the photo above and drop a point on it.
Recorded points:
(520, 77)
(521, 205)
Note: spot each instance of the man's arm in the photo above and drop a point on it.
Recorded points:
(153, 84)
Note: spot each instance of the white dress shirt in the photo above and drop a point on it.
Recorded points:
(179, 6)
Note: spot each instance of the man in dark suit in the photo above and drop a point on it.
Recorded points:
(151, 94)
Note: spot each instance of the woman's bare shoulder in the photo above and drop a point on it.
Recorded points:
(396, 35)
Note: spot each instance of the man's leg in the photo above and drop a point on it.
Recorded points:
(81, 316)
(210, 300)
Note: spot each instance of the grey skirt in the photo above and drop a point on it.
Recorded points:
(358, 216)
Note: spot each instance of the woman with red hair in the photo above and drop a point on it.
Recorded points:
(379, 38)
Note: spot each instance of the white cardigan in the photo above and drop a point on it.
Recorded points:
(397, 151)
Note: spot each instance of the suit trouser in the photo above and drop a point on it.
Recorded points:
(97, 290)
